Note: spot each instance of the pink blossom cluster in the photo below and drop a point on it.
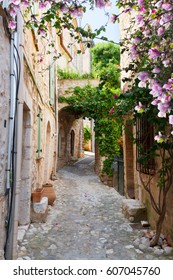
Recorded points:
(74, 8)
(152, 39)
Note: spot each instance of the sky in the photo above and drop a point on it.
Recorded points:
(98, 18)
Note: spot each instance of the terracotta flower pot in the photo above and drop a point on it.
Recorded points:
(49, 192)
(37, 195)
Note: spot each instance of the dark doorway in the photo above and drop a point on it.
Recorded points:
(72, 140)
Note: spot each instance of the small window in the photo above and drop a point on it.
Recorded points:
(144, 142)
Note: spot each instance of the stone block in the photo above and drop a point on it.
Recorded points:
(39, 211)
(21, 232)
(134, 210)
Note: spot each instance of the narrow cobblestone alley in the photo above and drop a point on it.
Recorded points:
(86, 222)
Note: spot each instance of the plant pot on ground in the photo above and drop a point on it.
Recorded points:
(49, 192)
(37, 195)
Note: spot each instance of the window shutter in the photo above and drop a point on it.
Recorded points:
(39, 119)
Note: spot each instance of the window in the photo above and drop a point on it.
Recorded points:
(144, 142)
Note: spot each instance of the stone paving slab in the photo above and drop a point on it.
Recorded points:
(85, 222)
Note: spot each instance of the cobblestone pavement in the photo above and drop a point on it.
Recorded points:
(85, 222)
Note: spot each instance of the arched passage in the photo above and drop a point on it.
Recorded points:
(70, 138)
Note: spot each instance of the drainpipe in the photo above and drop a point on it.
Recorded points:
(9, 189)
(12, 106)
(11, 248)
(19, 133)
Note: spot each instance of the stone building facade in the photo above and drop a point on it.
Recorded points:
(132, 183)
(45, 136)
(35, 126)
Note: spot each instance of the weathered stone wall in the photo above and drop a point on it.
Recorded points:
(36, 168)
(4, 121)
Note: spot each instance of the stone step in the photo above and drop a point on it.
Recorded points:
(134, 210)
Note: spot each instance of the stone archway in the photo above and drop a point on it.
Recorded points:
(47, 154)
(70, 137)
(25, 193)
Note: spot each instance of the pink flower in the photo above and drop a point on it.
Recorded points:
(41, 32)
(114, 18)
(111, 111)
(155, 102)
(167, 6)
(140, 2)
(160, 31)
(164, 107)
(171, 119)
(142, 84)
(15, 2)
(102, 3)
(143, 76)
(156, 70)
(166, 62)
(115, 96)
(13, 12)
(25, 3)
(143, 9)
(168, 86)
(134, 52)
(139, 108)
(137, 40)
(160, 138)
(77, 11)
(12, 24)
(153, 53)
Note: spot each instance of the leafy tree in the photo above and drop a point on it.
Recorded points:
(105, 62)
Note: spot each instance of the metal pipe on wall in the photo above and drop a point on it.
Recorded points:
(19, 132)
(11, 248)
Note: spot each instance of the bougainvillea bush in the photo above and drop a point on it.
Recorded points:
(149, 44)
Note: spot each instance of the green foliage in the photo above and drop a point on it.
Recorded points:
(87, 134)
(67, 74)
(104, 54)
(96, 102)
(105, 61)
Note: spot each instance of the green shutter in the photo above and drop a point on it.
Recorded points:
(39, 134)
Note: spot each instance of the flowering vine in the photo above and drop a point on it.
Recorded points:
(151, 51)
(58, 12)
